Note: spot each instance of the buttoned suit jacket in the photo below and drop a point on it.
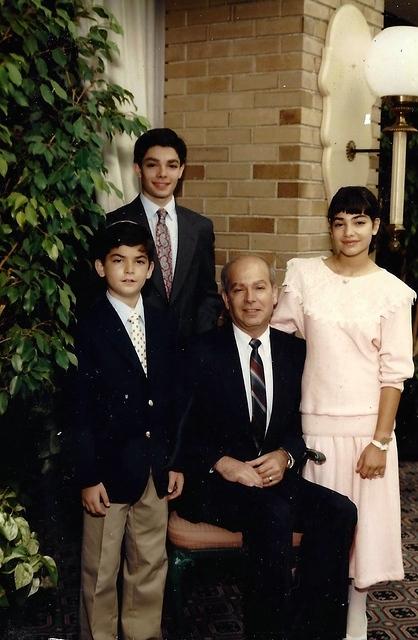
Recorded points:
(194, 303)
(123, 420)
(217, 422)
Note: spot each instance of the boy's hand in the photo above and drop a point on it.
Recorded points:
(95, 499)
(175, 484)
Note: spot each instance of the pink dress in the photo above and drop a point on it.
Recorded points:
(359, 339)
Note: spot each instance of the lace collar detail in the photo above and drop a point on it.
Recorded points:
(344, 300)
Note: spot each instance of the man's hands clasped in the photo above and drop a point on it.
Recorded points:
(265, 471)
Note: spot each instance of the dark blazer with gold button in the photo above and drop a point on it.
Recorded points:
(123, 420)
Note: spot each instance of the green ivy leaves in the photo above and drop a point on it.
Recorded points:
(59, 111)
(19, 552)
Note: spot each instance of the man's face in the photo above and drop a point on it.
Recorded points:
(126, 270)
(251, 297)
(159, 172)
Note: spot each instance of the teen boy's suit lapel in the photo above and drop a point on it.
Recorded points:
(186, 246)
(185, 250)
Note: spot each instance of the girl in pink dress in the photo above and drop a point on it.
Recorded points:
(356, 320)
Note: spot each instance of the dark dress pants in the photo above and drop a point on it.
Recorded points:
(317, 609)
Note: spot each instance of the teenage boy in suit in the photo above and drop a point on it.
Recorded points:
(242, 443)
(124, 417)
(183, 281)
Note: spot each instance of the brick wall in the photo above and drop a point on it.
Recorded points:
(241, 88)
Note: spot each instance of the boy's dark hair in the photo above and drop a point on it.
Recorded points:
(125, 232)
(159, 138)
(354, 200)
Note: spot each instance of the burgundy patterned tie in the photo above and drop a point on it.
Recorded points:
(258, 394)
(163, 247)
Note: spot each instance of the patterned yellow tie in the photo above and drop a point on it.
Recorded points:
(138, 339)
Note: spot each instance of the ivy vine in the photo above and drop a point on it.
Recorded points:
(57, 113)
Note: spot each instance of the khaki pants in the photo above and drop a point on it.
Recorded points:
(141, 530)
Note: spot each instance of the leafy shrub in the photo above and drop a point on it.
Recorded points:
(57, 113)
(22, 568)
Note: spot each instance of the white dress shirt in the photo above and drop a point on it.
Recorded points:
(124, 311)
(243, 343)
(171, 221)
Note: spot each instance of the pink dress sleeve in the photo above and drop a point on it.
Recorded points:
(288, 314)
(395, 353)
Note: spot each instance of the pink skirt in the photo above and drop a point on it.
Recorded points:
(376, 554)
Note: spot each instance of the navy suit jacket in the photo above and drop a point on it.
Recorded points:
(217, 422)
(194, 302)
(123, 421)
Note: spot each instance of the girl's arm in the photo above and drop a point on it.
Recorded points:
(372, 461)
(388, 406)
(395, 356)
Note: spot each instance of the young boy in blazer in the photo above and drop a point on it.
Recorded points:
(124, 434)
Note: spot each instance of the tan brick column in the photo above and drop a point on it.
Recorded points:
(241, 88)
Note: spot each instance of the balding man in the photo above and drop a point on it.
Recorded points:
(241, 449)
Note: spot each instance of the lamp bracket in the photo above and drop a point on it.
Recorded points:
(351, 150)
(396, 232)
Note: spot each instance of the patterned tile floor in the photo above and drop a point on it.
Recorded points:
(393, 607)
(213, 610)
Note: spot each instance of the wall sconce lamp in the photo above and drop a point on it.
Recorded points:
(347, 101)
(392, 74)
(355, 70)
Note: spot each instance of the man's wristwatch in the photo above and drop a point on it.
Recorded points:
(290, 459)
(382, 444)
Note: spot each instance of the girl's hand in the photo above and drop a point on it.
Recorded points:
(372, 463)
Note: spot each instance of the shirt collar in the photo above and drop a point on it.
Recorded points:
(151, 208)
(243, 338)
(124, 310)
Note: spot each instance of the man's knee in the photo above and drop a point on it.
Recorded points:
(336, 506)
(346, 510)
(272, 514)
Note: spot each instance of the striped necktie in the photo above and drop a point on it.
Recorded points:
(258, 394)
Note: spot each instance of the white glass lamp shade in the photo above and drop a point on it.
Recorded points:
(391, 65)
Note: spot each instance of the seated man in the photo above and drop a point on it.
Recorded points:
(240, 451)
